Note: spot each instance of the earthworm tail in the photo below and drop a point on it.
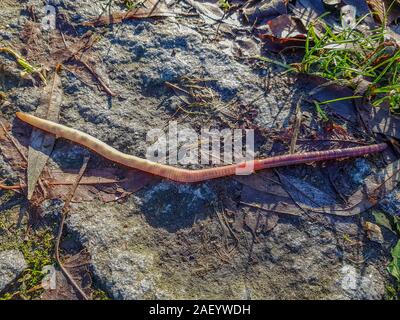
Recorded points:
(184, 175)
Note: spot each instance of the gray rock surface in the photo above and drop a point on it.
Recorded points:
(297, 259)
(12, 263)
(170, 240)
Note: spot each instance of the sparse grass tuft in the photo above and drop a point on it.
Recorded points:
(132, 4)
(24, 64)
(38, 252)
(349, 55)
(100, 295)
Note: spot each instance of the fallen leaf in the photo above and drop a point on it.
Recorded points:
(107, 184)
(377, 184)
(394, 266)
(380, 9)
(149, 9)
(285, 26)
(316, 5)
(307, 16)
(211, 13)
(257, 12)
(42, 143)
(282, 32)
(383, 220)
(291, 195)
(381, 120)
(264, 181)
(78, 266)
(269, 222)
(374, 233)
(322, 90)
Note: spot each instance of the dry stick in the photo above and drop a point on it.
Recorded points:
(154, 8)
(18, 293)
(254, 237)
(296, 128)
(334, 140)
(74, 55)
(119, 17)
(174, 86)
(102, 83)
(267, 210)
(63, 217)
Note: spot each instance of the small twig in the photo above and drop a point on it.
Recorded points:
(19, 293)
(154, 8)
(334, 140)
(63, 217)
(74, 55)
(174, 86)
(336, 188)
(97, 77)
(296, 127)
(267, 210)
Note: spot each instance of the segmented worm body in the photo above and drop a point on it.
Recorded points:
(184, 175)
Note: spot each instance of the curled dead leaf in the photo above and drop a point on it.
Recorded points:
(374, 232)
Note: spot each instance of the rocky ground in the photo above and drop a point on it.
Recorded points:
(172, 240)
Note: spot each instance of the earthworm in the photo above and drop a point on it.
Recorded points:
(185, 175)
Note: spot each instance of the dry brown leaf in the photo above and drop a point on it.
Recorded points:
(77, 265)
(150, 9)
(375, 187)
(42, 143)
(264, 181)
(256, 12)
(374, 232)
(380, 8)
(291, 196)
(269, 222)
(283, 32)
